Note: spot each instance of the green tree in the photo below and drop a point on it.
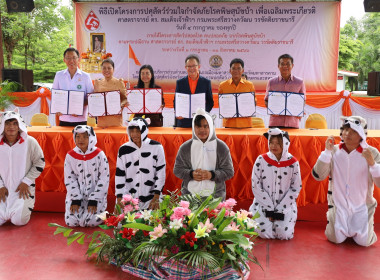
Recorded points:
(359, 48)
(36, 40)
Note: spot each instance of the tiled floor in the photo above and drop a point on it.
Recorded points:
(33, 252)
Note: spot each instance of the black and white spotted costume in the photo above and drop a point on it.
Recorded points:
(140, 171)
(86, 180)
(22, 162)
(276, 185)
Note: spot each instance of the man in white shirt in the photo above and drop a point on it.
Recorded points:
(73, 78)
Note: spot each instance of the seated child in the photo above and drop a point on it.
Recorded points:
(353, 166)
(276, 183)
(140, 166)
(86, 180)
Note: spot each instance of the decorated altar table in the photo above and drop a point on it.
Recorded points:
(245, 145)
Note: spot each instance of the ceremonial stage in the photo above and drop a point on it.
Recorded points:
(245, 146)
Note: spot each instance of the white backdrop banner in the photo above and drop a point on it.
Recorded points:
(163, 34)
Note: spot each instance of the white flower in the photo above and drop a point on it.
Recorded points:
(247, 247)
(251, 223)
(146, 214)
(176, 224)
(102, 216)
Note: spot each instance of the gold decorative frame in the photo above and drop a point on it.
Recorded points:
(92, 39)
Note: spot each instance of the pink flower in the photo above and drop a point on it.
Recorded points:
(230, 202)
(136, 207)
(127, 198)
(158, 232)
(208, 225)
(138, 215)
(184, 204)
(128, 208)
(179, 213)
(232, 226)
(135, 201)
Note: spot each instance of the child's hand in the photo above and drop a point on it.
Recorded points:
(368, 156)
(330, 142)
(91, 209)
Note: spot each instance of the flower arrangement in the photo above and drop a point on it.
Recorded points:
(107, 55)
(201, 238)
(84, 56)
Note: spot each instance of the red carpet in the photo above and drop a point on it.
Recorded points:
(33, 253)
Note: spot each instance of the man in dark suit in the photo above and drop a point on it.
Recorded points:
(193, 83)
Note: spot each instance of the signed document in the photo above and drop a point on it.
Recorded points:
(104, 103)
(76, 102)
(113, 106)
(153, 100)
(96, 104)
(187, 104)
(144, 101)
(235, 105)
(67, 102)
(286, 103)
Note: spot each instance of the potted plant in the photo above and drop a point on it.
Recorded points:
(198, 238)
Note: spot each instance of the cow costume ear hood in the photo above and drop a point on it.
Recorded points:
(142, 124)
(358, 124)
(91, 137)
(8, 115)
(285, 140)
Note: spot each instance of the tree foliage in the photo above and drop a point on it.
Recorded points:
(36, 40)
(359, 48)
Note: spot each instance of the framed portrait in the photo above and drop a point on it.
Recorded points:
(98, 42)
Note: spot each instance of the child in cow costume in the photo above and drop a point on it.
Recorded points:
(140, 166)
(353, 167)
(86, 179)
(276, 183)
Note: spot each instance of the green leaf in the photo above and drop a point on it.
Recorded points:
(233, 237)
(225, 223)
(139, 226)
(194, 219)
(118, 209)
(219, 218)
(105, 227)
(231, 257)
(257, 215)
(214, 203)
(74, 237)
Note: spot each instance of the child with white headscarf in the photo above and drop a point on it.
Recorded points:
(204, 162)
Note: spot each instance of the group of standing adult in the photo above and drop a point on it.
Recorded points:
(203, 162)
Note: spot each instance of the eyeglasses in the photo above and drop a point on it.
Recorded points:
(191, 66)
(357, 122)
(71, 58)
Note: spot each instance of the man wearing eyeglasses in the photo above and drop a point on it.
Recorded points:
(73, 78)
(353, 167)
(193, 83)
(285, 82)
